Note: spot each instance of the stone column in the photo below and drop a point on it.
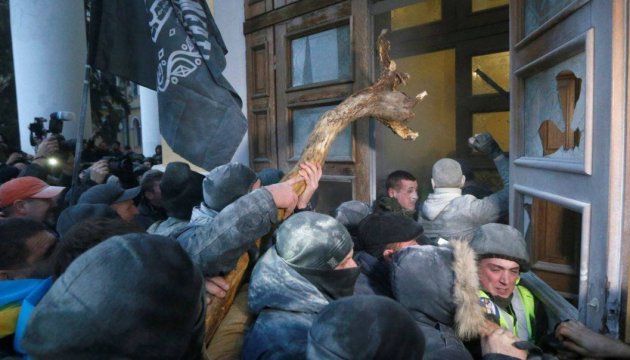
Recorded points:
(49, 54)
(149, 120)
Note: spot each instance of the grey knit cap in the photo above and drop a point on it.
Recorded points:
(226, 183)
(447, 173)
(350, 213)
(313, 241)
(501, 241)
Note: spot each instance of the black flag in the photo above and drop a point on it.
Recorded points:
(200, 112)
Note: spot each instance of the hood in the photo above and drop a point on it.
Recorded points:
(454, 288)
(359, 327)
(438, 200)
(131, 296)
(275, 285)
(226, 183)
(202, 215)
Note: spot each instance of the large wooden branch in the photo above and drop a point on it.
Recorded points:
(381, 101)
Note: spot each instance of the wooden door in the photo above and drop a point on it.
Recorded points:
(298, 68)
(564, 192)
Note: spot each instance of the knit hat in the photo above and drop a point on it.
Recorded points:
(226, 183)
(270, 176)
(447, 173)
(135, 296)
(361, 327)
(75, 214)
(313, 241)
(378, 230)
(350, 213)
(501, 241)
(26, 187)
(108, 193)
(181, 190)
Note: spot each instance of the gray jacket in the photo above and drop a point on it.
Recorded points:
(448, 214)
(216, 244)
(286, 304)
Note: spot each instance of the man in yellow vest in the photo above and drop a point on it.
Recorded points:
(502, 256)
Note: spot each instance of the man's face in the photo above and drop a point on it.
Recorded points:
(42, 210)
(40, 246)
(406, 193)
(498, 276)
(348, 262)
(125, 209)
(155, 195)
(393, 248)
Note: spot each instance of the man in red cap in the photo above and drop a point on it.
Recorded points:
(29, 197)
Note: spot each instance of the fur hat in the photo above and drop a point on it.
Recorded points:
(501, 241)
(313, 241)
(181, 190)
(447, 173)
(226, 183)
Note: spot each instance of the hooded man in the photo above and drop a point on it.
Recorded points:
(381, 235)
(180, 191)
(310, 265)
(438, 286)
(364, 327)
(448, 214)
(502, 256)
(133, 296)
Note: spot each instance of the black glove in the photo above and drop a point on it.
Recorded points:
(485, 144)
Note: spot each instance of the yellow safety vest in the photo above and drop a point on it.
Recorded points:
(519, 322)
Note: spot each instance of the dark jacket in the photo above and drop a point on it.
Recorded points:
(374, 277)
(286, 304)
(215, 245)
(423, 282)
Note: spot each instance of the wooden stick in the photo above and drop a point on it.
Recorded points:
(381, 101)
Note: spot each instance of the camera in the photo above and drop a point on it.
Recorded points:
(55, 127)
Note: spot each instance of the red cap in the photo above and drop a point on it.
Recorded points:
(27, 187)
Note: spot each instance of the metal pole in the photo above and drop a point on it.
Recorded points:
(81, 128)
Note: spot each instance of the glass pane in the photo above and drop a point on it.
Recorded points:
(323, 56)
(423, 12)
(304, 121)
(497, 124)
(480, 5)
(330, 194)
(490, 68)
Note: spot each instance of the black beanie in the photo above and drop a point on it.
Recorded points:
(365, 327)
(378, 230)
(181, 190)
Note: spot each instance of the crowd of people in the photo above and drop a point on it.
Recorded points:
(126, 263)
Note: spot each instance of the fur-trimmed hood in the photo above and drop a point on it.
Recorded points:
(440, 284)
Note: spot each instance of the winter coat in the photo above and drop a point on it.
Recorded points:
(374, 277)
(167, 227)
(215, 244)
(449, 215)
(286, 304)
(424, 282)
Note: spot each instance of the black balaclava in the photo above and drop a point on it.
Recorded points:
(314, 245)
(365, 327)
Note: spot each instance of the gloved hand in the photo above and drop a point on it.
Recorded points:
(485, 144)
